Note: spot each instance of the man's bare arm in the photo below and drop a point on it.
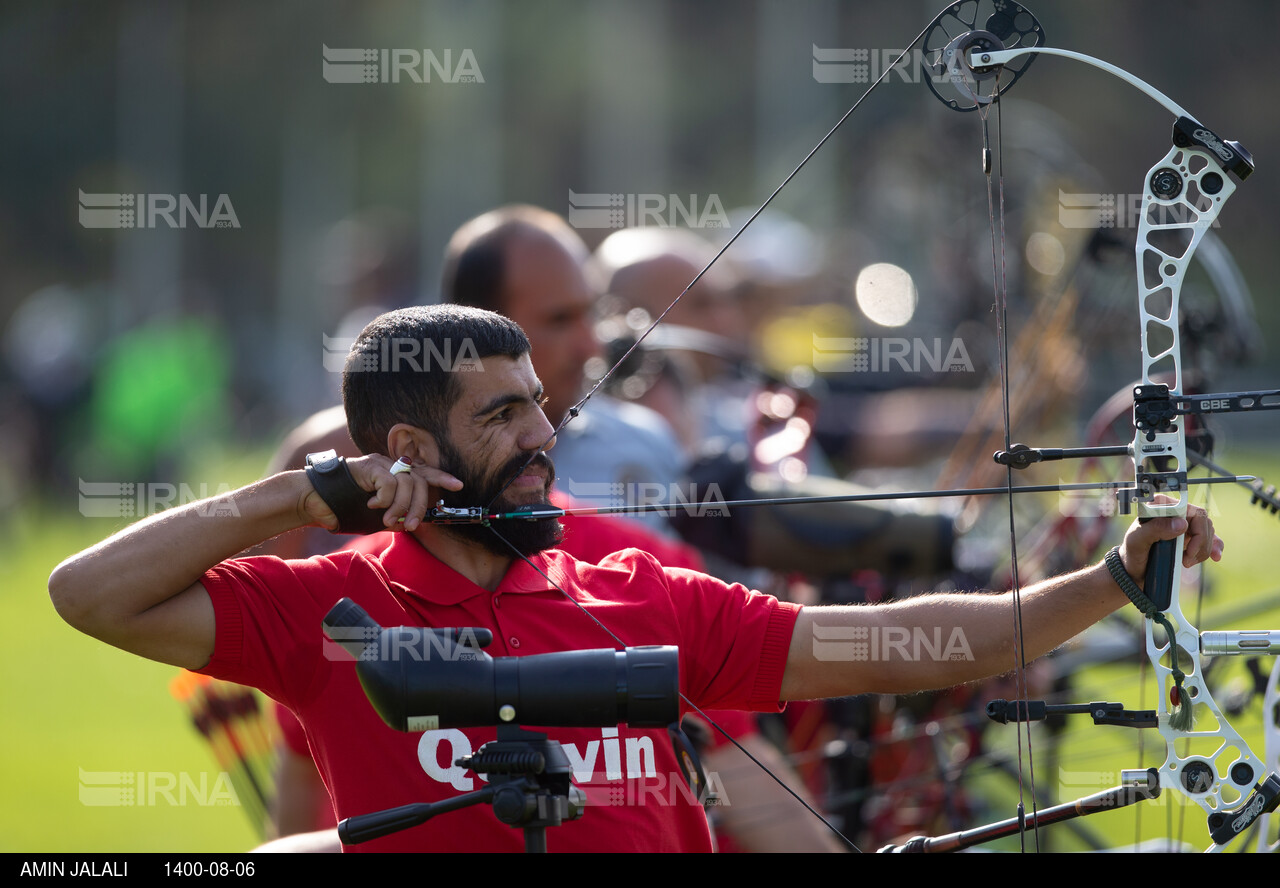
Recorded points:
(822, 663)
(139, 590)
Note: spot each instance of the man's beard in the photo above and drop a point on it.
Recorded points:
(526, 536)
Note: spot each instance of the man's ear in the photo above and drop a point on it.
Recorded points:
(416, 443)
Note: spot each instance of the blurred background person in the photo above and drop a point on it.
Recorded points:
(527, 263)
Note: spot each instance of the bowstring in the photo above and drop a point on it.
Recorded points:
(999, 277)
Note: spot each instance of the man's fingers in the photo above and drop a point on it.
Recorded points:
(417, 507)
(374, 474)
(402, 501)
(401, 489)
(1199, 541)
(438, 478)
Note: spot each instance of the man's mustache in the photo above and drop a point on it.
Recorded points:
(520, 464)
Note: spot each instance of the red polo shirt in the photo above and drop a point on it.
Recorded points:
(733, 647)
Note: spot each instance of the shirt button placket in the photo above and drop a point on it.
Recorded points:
(513, 642)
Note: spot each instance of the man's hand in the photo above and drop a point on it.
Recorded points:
(1200, 544)
(405, 497)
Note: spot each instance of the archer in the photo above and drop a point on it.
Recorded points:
(168, 588)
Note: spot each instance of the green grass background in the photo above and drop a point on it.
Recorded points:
(72, 703)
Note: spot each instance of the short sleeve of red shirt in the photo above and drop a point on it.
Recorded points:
(735, 641)
(269, 614)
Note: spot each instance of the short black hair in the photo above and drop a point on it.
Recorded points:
(405, 365)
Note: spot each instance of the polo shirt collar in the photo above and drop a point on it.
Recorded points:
(425, 576)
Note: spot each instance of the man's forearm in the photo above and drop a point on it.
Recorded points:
(102, 589)
(937, 641)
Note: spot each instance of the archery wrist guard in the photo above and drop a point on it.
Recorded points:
(332, 480)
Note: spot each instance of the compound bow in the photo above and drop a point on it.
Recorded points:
(1182, 196)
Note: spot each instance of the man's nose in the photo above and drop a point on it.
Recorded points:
(540, 434)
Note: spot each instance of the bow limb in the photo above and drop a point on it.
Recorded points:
(1208, 762)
